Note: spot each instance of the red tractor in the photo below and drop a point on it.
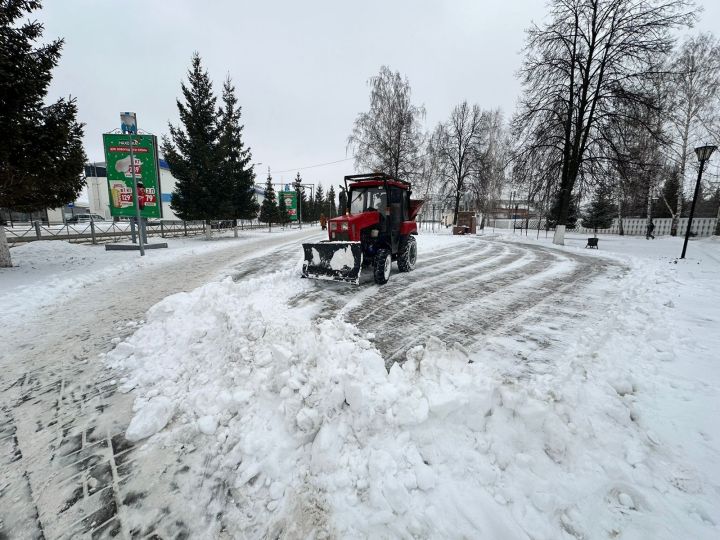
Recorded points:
(376, 228)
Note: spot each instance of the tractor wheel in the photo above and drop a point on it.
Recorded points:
(381, 266)
(407, 254)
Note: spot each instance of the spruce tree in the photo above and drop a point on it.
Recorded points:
(237, 174)
(283, 216)
(319, 202)
(269, 208)
(307, 206)
(193, 153)
(332, 208)
(669, 195)
(41, 156)
(600, 212)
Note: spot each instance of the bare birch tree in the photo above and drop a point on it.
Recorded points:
(488, 179)
(458, 144)
(695, 104)
(388, 138)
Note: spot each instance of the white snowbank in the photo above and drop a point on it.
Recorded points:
(313, 435)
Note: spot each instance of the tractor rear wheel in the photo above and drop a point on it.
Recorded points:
(381, 266)
(407, 254)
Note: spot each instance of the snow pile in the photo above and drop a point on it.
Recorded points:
(303, 432)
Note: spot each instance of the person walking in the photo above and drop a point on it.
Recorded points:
(650, 229)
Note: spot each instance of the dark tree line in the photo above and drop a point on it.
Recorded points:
(275, 211)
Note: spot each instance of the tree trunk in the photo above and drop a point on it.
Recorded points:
(681, 187)
(621, 230)
(208, 231)
(649, 205)
(457, 205)
(5, 261)
(559, 236)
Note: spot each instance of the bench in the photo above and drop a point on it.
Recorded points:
(592, 243)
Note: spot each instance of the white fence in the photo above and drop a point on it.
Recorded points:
(632, 226)
(638, 227)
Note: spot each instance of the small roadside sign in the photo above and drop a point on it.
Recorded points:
(128, 122)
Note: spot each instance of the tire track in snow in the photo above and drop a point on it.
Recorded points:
(331, 295)
(475, 303)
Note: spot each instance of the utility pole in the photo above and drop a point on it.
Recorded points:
(128, 122)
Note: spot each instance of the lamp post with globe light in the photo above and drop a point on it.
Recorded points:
(703, 154)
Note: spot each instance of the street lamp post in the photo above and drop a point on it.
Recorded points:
(703, 154)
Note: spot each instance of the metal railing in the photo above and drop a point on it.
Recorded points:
(96, 232)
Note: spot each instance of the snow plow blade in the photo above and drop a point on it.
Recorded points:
(335, 261)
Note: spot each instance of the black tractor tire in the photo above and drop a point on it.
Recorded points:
(407, 254)
(381, 266)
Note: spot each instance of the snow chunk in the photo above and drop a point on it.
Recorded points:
(207, 424)
(150, 419)
(342, 258)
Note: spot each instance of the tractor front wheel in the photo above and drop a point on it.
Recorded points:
(381, 266)
(407, 254)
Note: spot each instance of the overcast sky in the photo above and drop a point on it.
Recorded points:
(300, 68)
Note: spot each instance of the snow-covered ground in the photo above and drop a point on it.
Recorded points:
(578, 411)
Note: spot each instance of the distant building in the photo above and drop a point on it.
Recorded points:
(49, 215)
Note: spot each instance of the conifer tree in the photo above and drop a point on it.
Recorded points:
(332, 208)
(237, 174)
(193, 153)
(319, 202)
(41, 155)
(669, 196)
(600, 212)
(269, 208)
(306, 205)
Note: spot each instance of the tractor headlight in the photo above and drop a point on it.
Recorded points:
(345, 226)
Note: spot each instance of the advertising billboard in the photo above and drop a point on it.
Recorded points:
(120, 170)
(290, 198)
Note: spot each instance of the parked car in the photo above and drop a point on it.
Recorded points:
(85, 218)
(222, 224)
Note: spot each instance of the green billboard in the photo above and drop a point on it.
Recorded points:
(120, 172)
(290, 203)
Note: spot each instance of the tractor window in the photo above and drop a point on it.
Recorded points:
(363, 200)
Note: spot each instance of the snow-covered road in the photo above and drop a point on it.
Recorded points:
(534, 395)
(465, 293)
